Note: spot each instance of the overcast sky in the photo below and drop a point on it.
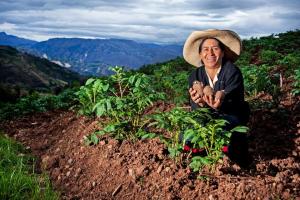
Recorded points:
(160, 21)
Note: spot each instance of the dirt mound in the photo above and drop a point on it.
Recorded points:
(143, 170)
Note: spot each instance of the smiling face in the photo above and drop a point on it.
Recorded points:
(211, 53)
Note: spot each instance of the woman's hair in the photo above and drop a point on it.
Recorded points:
(221, 45)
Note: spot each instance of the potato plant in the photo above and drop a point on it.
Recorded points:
(296, 84)
(122, 98)
(174, 122)
(171, 82)
(258, 79)
(269, 56)
(88, 95)
(37, 102)
(211, 137)
(200, 128)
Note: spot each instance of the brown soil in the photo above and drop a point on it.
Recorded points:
(143, 170)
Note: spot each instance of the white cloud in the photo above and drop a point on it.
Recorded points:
(144, 20)
(7, 27)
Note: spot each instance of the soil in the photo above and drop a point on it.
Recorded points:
(143, 170)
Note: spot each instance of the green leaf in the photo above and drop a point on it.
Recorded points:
(195, 139)
(131, 79)
(94, 139)
(89, 81)
(205, 160)
(105, 87)
(100, 133)
(241, 129)
(100, 109)
(149, 136)
(109, 128)
(188, 134)
(138, 82)
(108, 105)
(173, 152)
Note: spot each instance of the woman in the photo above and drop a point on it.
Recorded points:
(213, 53)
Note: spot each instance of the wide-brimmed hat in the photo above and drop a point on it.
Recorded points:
(231, 40)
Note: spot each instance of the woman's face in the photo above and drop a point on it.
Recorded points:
(211, 54)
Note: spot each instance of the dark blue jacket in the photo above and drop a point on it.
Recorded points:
(230, 80)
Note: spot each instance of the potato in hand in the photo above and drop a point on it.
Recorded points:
(198, 86)
(219, 95)
(208, 91)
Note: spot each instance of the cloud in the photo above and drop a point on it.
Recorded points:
(161, 21)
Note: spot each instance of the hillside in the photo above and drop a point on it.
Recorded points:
(26, 72)
(94, 56)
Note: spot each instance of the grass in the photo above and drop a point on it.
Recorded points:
(17, 177)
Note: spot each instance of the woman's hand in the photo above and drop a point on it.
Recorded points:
(196, 97)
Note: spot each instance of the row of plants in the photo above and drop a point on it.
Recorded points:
(37, 102)
(260, 78)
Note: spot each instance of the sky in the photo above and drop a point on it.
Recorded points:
(155, 21)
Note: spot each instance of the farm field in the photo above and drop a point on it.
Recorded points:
(117, 137)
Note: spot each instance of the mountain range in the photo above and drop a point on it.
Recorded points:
(94, 56)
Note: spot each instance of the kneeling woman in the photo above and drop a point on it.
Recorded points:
(213, 53)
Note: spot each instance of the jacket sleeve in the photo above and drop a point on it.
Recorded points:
(234, 86)
(234, 92)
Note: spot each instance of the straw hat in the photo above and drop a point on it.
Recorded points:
(230, 39)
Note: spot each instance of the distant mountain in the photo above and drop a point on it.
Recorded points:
(26, 72)
(94, 56)
(14, 41)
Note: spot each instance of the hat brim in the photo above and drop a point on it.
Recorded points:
(230, 39)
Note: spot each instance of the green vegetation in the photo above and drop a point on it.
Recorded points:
(171, 79)
(37, 103)
(123, 98)
(17, 178)
(258, 79)
(296, 84)
(198, 127)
